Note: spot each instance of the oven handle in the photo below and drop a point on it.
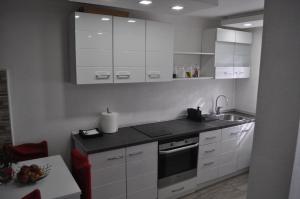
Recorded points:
(179, 149)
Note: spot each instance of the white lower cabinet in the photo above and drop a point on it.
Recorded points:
(226, 155)
(127, 173)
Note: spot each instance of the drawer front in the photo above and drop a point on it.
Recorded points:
(129, 74)
(242, 72)
(108, 175)
(225, 35)
(150, 193)
(178, 189)
(224, 73)
(229, 145)
(141, 152)
(110, 191)
(94, 75)
(210, 137)
(107, 159)
(137, 168)
(231, 132)
(141, 183)
(209, 150)
(208, 163)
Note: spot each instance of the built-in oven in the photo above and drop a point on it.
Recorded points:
(177, 160)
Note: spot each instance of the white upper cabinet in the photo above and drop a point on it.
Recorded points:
(159, 51)
(225, 35)
(243, 37)
(129, 50)
(93, 48)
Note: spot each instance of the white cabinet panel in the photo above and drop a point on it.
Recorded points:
(229, 145)
(150, 193)
(243, 37)
(107, 159)
(141, 182)
(241, 72)
(224, 54)
(231, 132)
(159, 51)
(245, 146)
(110, 191)
(129, 74)
(94, 75)
(224, 72)
(225, 35)
(142, 152)
(94, 40)
(93, 58)
(207, 169)
(129, 42)
(108, 175)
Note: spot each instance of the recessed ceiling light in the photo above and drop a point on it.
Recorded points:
(145, 2)
(131, 21)
(77, 16)
(177, 7)
(105, 19)
(247, 24)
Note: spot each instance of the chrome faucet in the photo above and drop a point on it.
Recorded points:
(218, 108)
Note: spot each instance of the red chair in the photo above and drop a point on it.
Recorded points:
(81, 170)
(27, 151)
(36, 194)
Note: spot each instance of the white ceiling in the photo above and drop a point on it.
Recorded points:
(202, 8)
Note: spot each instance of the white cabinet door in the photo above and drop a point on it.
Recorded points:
(129, 49)
(159, 51)
(224, 54)
(225, 35)
(142, 171)
(243, 37)
(224, 73)
(241, 72)
(245, 146)
(93, 48)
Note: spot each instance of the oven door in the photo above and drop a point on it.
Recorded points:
(178, 164)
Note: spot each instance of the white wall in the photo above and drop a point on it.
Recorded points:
(246, 89)
(278, 107)
(34, 48)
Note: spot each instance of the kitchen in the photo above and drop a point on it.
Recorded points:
(47, 105)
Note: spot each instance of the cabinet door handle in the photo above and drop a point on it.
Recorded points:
(235, 133)
(208, 164)
(123, 76)
(154, 76)
(176, 190)
(115, 158)
(136, 153)
(102, 76)
(210, 151)
(210, 138)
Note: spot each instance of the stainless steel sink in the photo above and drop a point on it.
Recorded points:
(231, 117)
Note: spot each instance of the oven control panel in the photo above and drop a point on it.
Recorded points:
(179, 143)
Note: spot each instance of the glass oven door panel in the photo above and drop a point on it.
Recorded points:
(177, 162)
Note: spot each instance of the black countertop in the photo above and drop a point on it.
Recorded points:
(130, 136)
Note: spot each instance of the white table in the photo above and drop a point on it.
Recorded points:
(58, 184)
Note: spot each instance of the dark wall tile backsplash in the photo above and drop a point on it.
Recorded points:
(5, 129)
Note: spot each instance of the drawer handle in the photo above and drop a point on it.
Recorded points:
(208, 164)
(210, 138)
(123, 76)
(176, 190)
(210, 151)
(115, 158)
(154, 76)
(102, 76)
(136, 153)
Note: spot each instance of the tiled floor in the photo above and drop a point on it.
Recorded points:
(234, 188)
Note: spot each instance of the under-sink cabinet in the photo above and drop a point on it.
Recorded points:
(126, 173)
